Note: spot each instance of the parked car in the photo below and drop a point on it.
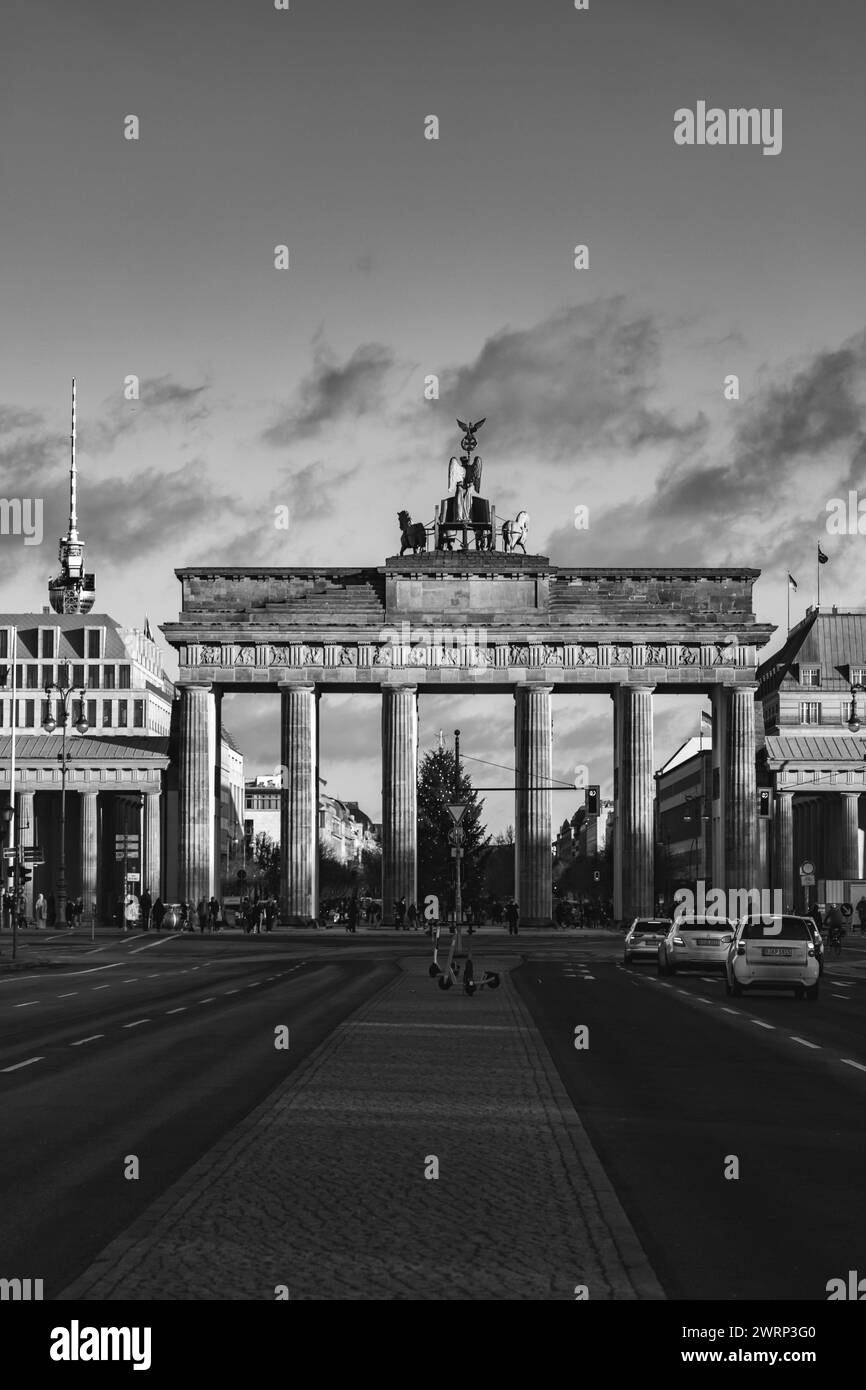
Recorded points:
(700, 942)
(643, 937)
(773, 952)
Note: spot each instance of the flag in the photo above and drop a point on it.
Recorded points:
(706, 719)
(147, 631)
(822, 558)
(793, 583)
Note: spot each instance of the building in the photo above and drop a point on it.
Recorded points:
(813, 697)
(684, 810)
(345, 831)
(120, 784)
(261, 809)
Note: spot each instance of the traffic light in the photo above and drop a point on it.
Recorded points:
(25, 874)
(764, 801)
(593, 800)
(596, 875)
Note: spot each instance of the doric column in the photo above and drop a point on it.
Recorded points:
(399, 797)
(533, 759)
(298, 803)
(152, 864)
(89, 856)
(196, 792)
(741, 809)
(26, 820)
(849, 838)
(783, 850)
(634, 849)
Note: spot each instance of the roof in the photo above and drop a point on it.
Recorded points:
(228, 738)
(832, 640)
(70, 624)
(815, 748)
(690, 749)
(84, 748)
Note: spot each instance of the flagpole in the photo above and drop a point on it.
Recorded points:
(788, 591)
(818, 562)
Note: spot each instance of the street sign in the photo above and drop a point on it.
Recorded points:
(133, 878)
(807, 867)
(457, 813)
(807, 880)
(457, 854)
(33, 854)
(130, 841)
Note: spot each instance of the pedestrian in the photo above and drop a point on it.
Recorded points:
(77, 912)
(400, 913)
(411, 917)
(131, 912)
(184, 915)
(201, 913)
(40, 912)
(157, 912)
(512, 912)
(352, 916)
(69, 914)
(861, 915)
(146, 905)
(213, 912)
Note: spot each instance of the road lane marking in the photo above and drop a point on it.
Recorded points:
(29, 1003)
(158, 942)
(181, 1010)
(804, 1042)
(31, 1060)
(840, 996)
(761, 1023)
(137, 1022)
(82, 1041)
(207, 1001)
(133, 981)
(730, 1011)
(70, 995)
(664, 984)
(253, 984)
(231, 991)
(100, 986)
(154, 976)
(848, 1063)
(701, 999)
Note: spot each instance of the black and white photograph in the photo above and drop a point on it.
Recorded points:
(432, 673)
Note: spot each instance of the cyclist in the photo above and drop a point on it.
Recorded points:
(835, 925)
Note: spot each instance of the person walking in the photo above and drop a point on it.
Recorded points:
(40, 912)
(400, 913)
(201, 913)
(157, 912)
(861, 915)
(512, 913)
(411, 917)
(146, 906)
(352, 916)
(213, 912)
(131, 912)
(184, 915)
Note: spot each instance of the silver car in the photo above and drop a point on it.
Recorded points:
(643, 937)
(773, 952)
(700, 942)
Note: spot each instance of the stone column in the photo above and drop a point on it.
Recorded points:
(634, 848)
(741, 808)
(25, 817)
(533, 829)
(719, 698)
(783, 851)
(299, 799)
(152, 864)
(399, 797)
(195, 792)
(849, 838)
(89, 856)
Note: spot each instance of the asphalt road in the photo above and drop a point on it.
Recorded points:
(151, 1052)
(677, 1077)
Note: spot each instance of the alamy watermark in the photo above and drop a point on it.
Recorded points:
(22, 516)
(736, 126)
(728, 905)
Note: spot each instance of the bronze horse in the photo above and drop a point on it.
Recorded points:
(414, 534)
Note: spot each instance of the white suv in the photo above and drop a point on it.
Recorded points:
(643, 937)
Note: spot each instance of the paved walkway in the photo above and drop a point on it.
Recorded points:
(323, 1189)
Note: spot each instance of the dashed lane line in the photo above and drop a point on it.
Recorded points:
(137, 1023)
(19, 1065)
(71, 995)
(849, 1062)
(804, 1042)
(761, 1024)
(82, 1041)
(207, 1001)
(181, 1010)
(231, 991)
(100, 986)
(29, 1004)
(701, 999)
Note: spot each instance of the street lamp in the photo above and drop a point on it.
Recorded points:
(854, 721)
(49, 724)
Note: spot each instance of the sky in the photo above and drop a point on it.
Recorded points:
(303, 387)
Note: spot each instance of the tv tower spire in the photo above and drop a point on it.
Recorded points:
(72, 591)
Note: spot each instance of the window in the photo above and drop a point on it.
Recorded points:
(775, 929)
(78, 676)
(138, 714)
(858, 673)
(93, 677)
(810, 712)
(47, 637)
(94, 644)
(32, 677)
(91, 713)
(63, 674)
(810, 675)
(27, 708)
(121, 713)
(106, 714)
(47, 676)
(108, 677)
(4, 643)
(123, 680)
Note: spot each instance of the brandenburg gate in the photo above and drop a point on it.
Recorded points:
(487, 619)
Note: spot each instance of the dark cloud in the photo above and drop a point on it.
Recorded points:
(332, 393)
(579, 382)
(162, 401)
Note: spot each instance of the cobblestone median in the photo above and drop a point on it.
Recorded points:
(322, 1188)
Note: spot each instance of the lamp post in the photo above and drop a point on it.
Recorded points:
(49, 724)
(855, 721)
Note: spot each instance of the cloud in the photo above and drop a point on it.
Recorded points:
(162, 401)
(579, 382)
(331, 393)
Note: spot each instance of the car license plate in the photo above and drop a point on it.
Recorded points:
(705, 941)
(777, 951)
